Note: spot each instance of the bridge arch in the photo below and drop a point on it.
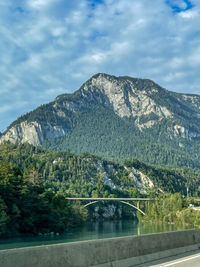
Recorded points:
(133, 206)
(90, 203)
(124, 202)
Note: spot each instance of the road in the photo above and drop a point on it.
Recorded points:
(189, 259)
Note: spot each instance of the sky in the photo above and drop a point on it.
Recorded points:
(51, 47)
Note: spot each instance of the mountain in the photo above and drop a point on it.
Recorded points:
(117, 117)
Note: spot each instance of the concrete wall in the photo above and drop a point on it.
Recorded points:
(122, 251)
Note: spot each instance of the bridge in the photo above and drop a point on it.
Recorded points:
(94, 200)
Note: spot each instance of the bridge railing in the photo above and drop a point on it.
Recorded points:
(109, 198)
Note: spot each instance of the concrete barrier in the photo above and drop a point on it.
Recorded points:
(121, 251)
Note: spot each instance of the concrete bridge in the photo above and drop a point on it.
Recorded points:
(94, 200)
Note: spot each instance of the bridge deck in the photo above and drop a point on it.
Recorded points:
(109, 198)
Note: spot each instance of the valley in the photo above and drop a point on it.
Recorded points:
(114, 137)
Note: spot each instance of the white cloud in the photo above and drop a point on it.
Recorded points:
(38, 4)
(189, 14)
(34, 61)
(177, 62)
(194, 58)
(52, 46)
(173, 75)
(58, 31)
(98, 57)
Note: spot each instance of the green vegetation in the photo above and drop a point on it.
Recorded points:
(83, 175)
(183, 180)
(27, 207)
(70, 174)
(100, 131)
(171, 208)
(34, 183)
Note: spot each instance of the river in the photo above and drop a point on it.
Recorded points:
(92, 230)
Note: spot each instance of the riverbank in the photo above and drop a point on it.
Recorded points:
(91, 231)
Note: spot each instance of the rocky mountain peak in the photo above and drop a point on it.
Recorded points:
(140, 106)
(129, 97)
(107, 87)
(111, 84)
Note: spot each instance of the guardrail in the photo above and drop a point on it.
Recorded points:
(121, 251)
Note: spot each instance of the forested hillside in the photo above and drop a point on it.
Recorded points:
(89, 175)
(100, 131)
(26, 207)
(34, 183)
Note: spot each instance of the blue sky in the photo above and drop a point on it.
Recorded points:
(50, 47)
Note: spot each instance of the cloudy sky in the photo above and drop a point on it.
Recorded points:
(50, 47)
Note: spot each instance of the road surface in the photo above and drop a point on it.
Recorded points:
(189, 259)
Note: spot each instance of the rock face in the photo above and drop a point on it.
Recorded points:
(147, 110)
(110, 211)
(33, 133)
(141, 181)
(25, 132)
(124, 97)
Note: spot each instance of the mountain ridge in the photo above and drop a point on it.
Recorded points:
(140, 107)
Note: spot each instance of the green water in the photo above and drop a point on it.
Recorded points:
(92, 230)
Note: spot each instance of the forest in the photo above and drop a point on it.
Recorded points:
(34, 183)
(171, 208)
(98, 130)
